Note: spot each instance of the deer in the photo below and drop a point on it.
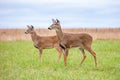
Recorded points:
(43, 42)
(83, 41)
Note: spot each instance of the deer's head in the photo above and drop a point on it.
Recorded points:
(30, 29)
(55, 25)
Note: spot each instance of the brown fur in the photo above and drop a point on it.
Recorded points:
(67, 41)
(43, 42)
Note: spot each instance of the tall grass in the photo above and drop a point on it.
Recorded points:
(19, 61)
(19, 34)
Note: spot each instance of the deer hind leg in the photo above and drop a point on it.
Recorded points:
(65, 57)
(84, 55)
(40, 54)
(59, 52)
(93, 54)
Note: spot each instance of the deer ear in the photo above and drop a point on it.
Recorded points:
(32, 27)
(57, 21)
(28, 26)
(53, 21)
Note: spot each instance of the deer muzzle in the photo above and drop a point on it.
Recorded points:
(49, 28)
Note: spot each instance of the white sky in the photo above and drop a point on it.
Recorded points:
(71, 13)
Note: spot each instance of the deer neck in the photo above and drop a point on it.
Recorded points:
(34, 36)
(59, 34)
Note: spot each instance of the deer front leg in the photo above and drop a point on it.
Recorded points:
(59, 52)
(63, 47)
(40, 54)
(65, 56)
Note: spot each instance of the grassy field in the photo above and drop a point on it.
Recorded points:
(19, 61)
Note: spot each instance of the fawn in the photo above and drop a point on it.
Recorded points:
(41, 42)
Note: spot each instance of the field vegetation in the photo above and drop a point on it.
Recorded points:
(19, 61)
(101, 34)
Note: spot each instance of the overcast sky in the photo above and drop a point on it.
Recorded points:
(71, 13)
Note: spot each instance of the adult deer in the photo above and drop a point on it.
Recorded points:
(68, 40)
(41, 42)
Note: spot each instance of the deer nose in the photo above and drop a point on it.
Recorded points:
(49, 28)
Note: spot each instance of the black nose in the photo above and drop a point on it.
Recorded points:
(49, 28)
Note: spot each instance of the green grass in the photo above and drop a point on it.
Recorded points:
(19, 61)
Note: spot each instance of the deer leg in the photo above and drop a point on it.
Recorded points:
(40, 54)
(59, 52)
(63, 47)
(65, 57)
(84, 55)
(93, 54)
